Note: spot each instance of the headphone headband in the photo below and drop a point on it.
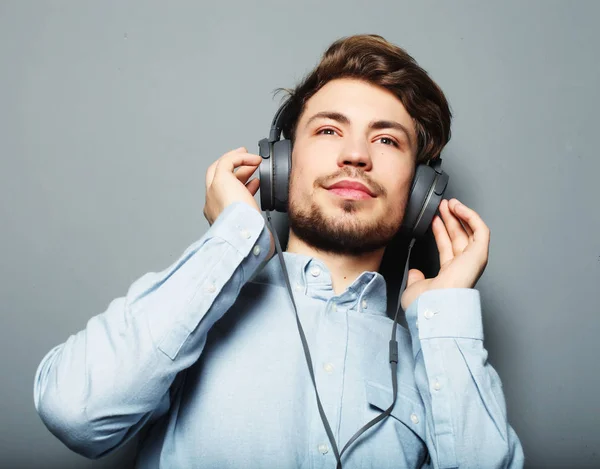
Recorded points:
(276, 125)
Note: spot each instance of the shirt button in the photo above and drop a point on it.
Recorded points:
(256, 250)
(437, 386)
(334, 307)
(323, 449)
(298, 287)
(328, 367)
(417, 324)
(364, 304)
(211, 288)
(414, 418)
(245, 234)
(428, 314)
(315, 272)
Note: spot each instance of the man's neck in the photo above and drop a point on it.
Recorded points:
(344, 268)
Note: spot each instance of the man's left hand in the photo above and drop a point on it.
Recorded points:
(463, 241)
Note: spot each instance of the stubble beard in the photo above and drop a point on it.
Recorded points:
(342, 234)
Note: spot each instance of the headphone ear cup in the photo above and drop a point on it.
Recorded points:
(265, 173)
(282, 166)
(426, 193)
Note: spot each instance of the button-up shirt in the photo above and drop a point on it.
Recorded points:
(204, 361)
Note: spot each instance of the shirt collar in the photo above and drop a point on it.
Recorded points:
(311, 277)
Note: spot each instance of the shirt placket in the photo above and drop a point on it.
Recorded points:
(329, 360)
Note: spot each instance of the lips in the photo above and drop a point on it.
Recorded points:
(352, 185)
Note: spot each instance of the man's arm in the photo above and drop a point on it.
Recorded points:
(96, 390)
(466, 418)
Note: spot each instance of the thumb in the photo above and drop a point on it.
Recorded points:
(414, 275)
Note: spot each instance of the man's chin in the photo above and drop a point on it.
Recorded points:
(341, 237)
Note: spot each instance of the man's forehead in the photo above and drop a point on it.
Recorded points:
(358, 101)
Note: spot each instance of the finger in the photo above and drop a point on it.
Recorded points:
(442, 240)
(454, 206)
(457, 233)
(243, 173)
(210, 174)
(234, 159)
(481, 232)
(467, 228)
(253, 186)
(414, 275)
(212, 169)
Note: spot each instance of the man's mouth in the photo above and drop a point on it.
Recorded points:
(349, 189)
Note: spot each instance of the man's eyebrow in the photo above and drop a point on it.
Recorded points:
(336, 116)
(375, 125)
(380, 125)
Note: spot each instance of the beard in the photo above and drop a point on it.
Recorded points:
(341, 234)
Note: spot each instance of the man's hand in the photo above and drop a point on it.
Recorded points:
(227, 182)
(463, 241)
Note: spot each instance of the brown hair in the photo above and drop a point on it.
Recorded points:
(371, 58)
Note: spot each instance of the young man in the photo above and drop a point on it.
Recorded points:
(205, 356)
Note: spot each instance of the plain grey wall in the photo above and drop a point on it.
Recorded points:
(110, 113)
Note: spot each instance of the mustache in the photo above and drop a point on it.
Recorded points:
(352, 173)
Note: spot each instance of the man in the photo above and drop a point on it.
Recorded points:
(205, 356)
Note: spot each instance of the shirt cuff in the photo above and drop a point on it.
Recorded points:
(241, 226)
(208, 280)
(447, 312)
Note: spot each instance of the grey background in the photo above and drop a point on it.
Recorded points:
(111, 112)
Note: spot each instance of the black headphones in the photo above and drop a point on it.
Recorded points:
(428, 185)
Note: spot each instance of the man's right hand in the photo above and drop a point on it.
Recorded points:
(227, 182)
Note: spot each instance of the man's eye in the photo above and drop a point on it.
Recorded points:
(388, 141)
(326, 132)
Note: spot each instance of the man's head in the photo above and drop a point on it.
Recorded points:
(367, 113)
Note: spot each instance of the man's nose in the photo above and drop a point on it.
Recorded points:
(355, 153)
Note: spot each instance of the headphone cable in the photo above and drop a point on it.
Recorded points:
(393, 353)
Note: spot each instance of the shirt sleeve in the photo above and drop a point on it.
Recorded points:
(97, 389)
(466, 419)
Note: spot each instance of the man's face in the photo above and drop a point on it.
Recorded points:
(351, 131)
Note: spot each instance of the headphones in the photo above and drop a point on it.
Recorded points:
(428, 185)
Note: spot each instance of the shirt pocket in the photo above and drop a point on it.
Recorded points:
(408, 410)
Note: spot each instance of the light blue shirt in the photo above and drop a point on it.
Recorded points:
(205, 359)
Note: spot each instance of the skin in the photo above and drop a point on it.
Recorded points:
(345, 145)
